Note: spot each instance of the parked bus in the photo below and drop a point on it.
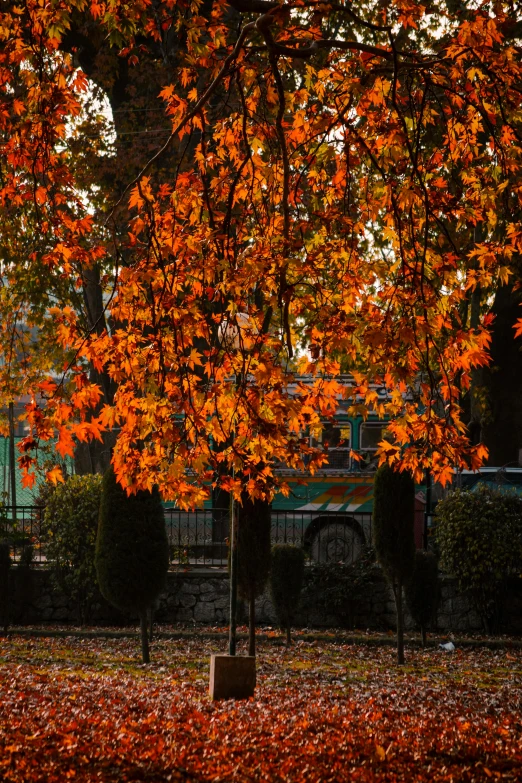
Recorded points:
(329, 513)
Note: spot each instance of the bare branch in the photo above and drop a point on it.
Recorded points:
(263, 6)
(346, 10)
(254, 6)
(332, 43)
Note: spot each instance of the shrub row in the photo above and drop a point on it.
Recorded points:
(479, 535)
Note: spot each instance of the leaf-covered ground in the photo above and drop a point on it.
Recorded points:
(85, 710)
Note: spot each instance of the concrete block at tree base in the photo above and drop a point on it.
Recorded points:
(232, 676)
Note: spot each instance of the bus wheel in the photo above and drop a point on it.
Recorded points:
(336, 542)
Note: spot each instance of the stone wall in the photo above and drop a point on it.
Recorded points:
(200, 596)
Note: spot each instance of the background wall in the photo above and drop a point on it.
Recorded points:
(201, 597)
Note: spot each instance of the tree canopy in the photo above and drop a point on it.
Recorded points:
(202, 200)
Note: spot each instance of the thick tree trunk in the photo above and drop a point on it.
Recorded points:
(476, 394)
(397, 591)
(252, 625)
(132, 96)
(502, 423)
(95, 456)
(144, 637)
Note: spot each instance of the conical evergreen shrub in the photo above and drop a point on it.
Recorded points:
(393, 536)
(286, 581)
(253, 540)
(132, 555)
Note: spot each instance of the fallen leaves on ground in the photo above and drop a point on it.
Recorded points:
(85, 710)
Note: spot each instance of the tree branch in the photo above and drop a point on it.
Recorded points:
(263, 25)
(254, 6)
(331, 43)
(191, 114)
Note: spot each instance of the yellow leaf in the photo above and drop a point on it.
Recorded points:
(55, 475)
(380, 752)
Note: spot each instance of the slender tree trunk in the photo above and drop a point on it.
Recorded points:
(12, 461)
(5, 563)
(423, 635)
(397, 591)
(288, 634)
(252, 625)
(502, 428)
(151, 624)
(144, 637)
(4, 598)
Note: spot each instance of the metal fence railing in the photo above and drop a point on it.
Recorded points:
(200, 538)
(21, 526)
(327, 536)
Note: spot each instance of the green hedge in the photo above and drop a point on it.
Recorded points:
(479, 535)
(69, 530)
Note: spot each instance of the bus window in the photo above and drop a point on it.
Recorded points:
(371, 434)
(338, 437)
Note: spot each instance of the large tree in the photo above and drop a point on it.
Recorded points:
(279, 176)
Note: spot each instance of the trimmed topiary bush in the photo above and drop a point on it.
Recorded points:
(253, 543)
(69, 529)
(286, 581)
(423, 590)
(393, 535)
(132, 553)
(5, 564)
(22, 581)
(479, 535)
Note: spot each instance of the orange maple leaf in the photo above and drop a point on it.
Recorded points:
(65, 444)
(55, 475)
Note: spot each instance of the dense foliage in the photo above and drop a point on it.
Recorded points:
(393, 537)
(254, 527)
(422, 590)
(286, 581)
(479, 534)
(132, 554)
(271, 188)
(69, 531)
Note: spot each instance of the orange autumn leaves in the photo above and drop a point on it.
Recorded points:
(78, 708)
(327, 210)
